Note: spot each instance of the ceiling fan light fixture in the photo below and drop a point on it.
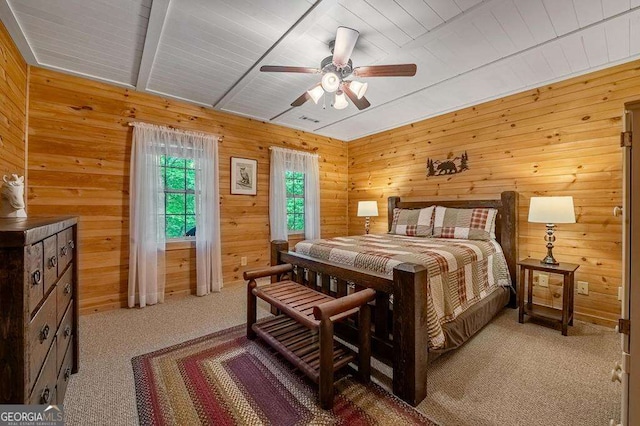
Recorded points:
(336, 68)
(316, 93)
(340, 101)
(358, 88)
(330, 82)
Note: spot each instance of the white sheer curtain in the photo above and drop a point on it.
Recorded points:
(283, 160)
(147, 220)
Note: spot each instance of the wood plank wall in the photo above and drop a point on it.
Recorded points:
(79, 154)
(13, 98)
(562, 139)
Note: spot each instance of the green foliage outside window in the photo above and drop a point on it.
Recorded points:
(179, 186)
(295, 201)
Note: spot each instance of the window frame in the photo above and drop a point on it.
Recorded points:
(171, 191)
(294, 197)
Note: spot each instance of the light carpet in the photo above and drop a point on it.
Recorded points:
(509, 373)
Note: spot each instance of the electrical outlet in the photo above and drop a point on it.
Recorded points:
(243, 261)
(543, 280)
(620, 293)
(583, 288)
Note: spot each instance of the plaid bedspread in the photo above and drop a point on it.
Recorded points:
(460, 272)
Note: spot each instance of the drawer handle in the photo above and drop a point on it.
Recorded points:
(71, 244)
(67, 331)
(67, 288)
(37, 277)
(44, 333)
(53, 262)
(67, 373)
(64, 250)
(45, 397)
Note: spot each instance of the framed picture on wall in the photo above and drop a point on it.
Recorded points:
(244, 172)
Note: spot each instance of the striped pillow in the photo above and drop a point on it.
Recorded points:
(469, 224)
(413, 222)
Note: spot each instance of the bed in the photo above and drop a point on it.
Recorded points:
(415, 317)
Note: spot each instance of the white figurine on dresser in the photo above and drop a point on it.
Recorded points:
(12, 197)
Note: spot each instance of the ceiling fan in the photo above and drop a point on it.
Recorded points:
(337, 68)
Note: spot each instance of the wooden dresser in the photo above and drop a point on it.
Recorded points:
(38, 308)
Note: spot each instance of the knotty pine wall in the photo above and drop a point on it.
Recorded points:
(561, 139)
(79, 151)
(13, 98)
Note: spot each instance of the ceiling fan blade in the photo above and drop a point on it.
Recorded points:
(361, 103)
(301, 99)
(400, 70)
(279, 68)
(343, 47)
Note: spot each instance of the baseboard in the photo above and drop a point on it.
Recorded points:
(596, 320)
(168, 297)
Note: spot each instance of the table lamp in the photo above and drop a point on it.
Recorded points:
(551, 210)
(367, 209)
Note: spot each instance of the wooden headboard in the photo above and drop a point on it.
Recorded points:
(506, 220)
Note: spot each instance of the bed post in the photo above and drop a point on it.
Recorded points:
(276, 247)
(410, 332)
(392, 203)
(509, 238)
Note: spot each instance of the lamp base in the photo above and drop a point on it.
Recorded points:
(549, 260)
(550, 239)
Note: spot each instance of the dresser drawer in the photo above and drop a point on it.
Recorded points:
(35, 275)
(64, 292)
(50, 262)
(42, 330)
(65, 332)
(65, 374)
(44, 392)
(65, 248)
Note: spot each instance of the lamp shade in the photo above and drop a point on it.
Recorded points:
(358, 88)
(367, 208)
(340, 102)
(552, 210)
(316, 93)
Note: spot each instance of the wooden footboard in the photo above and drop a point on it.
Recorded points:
(399, 335)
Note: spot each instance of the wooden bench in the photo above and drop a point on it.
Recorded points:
(303, 333)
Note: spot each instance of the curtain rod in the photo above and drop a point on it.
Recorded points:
(174, 129)
(297, 151)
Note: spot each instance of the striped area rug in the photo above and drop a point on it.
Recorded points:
(225, 379)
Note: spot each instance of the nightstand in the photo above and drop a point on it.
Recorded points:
(563, 317)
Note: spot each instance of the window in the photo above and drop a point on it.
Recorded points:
(295, 201)
(179, 190)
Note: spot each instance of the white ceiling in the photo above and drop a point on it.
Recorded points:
(209, 51)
